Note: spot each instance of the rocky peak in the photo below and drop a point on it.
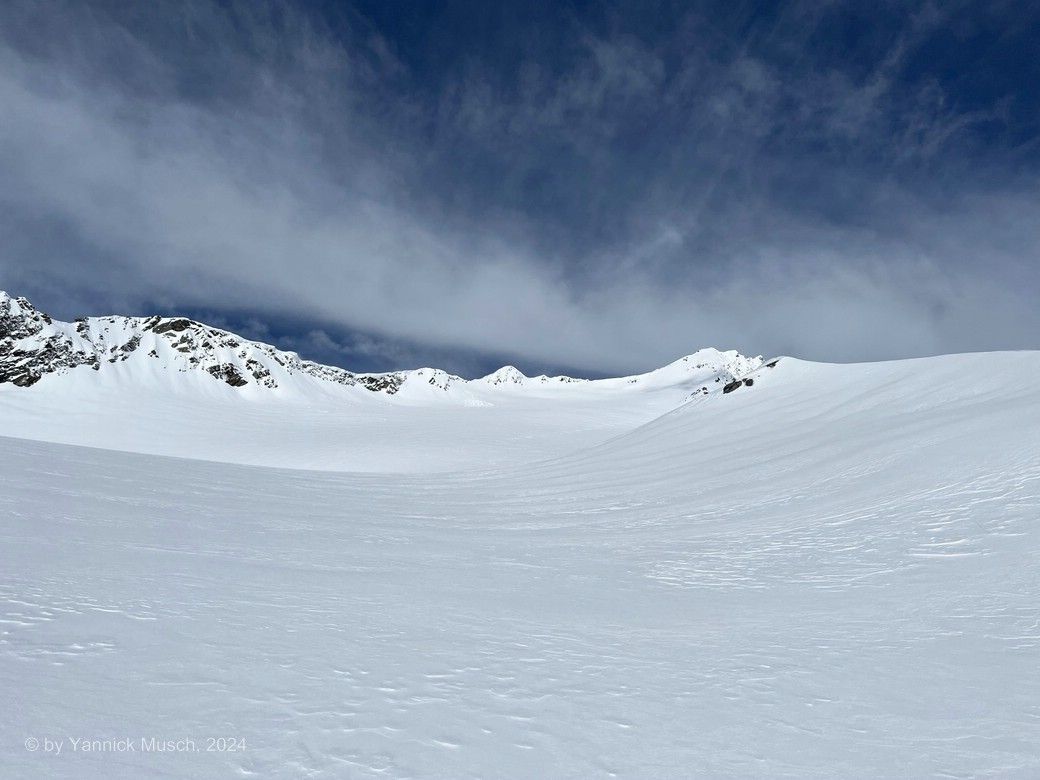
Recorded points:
(31, 346)
(507, 375)
(19, 318)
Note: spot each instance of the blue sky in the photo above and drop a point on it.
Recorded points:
(592, 187)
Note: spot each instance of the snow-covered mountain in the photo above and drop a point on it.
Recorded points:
(33, 346)
(171, 386)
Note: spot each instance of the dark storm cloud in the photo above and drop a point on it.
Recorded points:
(604, 189)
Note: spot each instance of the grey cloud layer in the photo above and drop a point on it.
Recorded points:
(300, 186)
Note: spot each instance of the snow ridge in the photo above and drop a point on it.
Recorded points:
(33, 345)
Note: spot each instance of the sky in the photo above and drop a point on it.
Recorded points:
(596, 188)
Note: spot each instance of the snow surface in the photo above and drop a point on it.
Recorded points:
(141, 405)
(832, 572)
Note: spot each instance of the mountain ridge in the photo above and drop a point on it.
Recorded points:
(34, 345)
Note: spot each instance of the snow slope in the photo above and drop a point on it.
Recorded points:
(172, 386)
(344, 428)
(832, 572)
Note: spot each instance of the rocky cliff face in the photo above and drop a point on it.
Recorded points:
(32, 346)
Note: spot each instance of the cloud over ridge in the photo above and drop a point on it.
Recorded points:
(623, 199)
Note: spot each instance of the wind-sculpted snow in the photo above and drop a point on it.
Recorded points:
(831, 572)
